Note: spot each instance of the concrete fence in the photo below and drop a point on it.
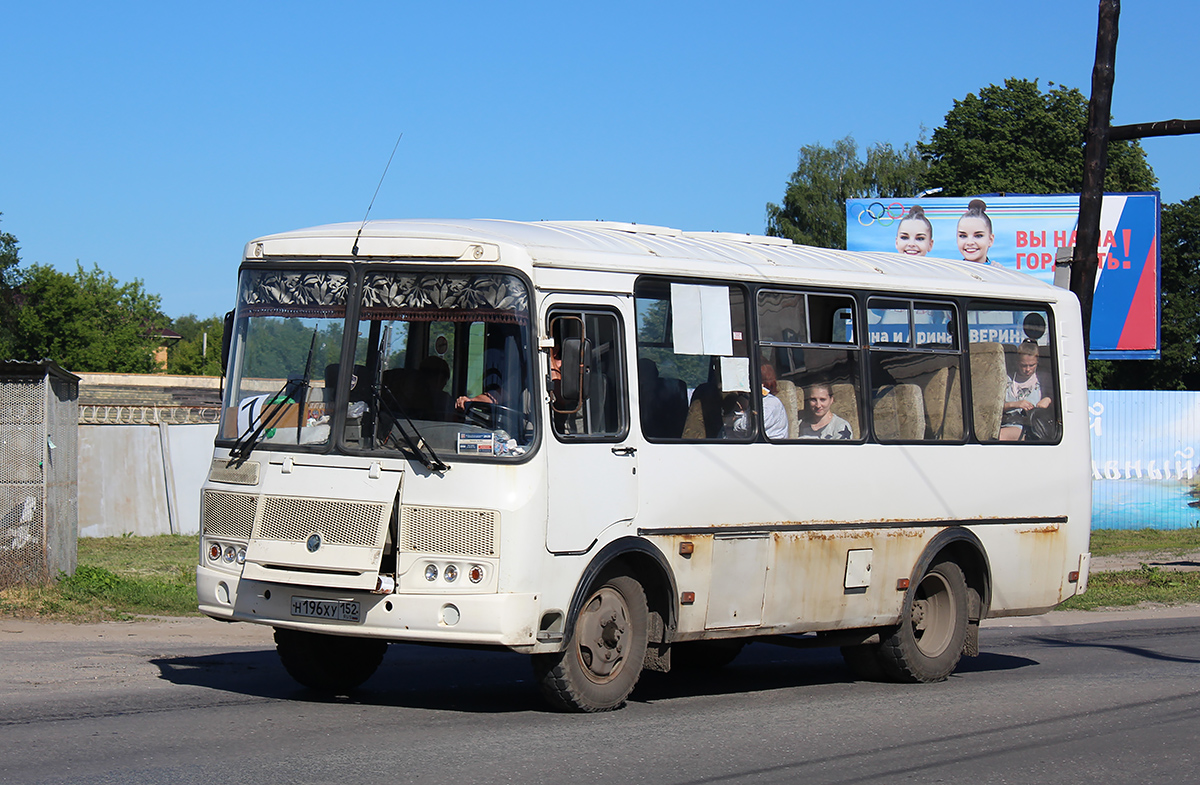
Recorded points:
(142, 479)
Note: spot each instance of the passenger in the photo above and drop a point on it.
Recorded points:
(914, 233)
(1023, 389)
(975, 235)
(818, 420)
(775, 421)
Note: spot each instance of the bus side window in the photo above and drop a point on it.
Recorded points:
(586, 378)
(915, 367)
(806, 342)
(1014, 390)
(694, 371)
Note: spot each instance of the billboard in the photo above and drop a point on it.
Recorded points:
(1145, 464)
(1026, 233)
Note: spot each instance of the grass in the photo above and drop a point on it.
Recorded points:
(1109, 542)
(120, 578)
(117, 578)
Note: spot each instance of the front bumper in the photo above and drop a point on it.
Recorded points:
(507, 620)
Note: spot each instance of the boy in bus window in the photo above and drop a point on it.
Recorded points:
(1022, 395)
(818, 420)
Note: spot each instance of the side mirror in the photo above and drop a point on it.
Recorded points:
(226, 341)
(573, 352)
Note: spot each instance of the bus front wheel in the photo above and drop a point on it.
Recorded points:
(928, 643)
(604, 655)
(331, 664)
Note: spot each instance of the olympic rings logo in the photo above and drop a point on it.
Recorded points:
(878, 212)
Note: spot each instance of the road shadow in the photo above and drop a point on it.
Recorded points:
(491, 682)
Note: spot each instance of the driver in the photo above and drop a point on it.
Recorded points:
(491, 395)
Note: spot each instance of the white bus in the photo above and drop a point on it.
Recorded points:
(614, 447)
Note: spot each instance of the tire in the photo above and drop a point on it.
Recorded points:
(603, 658)
(331, 664)
(705, 655)
(928, 642)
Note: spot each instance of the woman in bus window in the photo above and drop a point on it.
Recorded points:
(975, 235)
(819, 421)
(914, 233)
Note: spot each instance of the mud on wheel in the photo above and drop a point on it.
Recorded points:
(604, 654)
(332, 664)
(928, 642)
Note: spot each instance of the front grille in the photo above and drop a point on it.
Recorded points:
(448, 530)
(245, 474)
(338, 522)
(229, 514)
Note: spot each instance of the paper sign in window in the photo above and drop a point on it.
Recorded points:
(735, 374)
(700, 319)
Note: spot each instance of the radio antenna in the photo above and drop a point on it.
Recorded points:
(354, 250)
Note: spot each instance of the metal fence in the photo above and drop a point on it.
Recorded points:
(38, 471)
(103, 414)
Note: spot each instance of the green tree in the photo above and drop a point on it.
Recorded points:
(88, 321)
(9, 260)
(1179, 366)
(191, 355)
(1017, 139)
(813, 211)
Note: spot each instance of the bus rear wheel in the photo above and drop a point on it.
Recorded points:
(332, 664)
(604, 655)
(928, 643)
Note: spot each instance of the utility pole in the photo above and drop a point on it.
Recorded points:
(1095, 162)
(1095, 159)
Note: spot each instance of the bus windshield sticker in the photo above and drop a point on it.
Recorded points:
(476, 443)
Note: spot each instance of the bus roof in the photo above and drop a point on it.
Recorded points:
(635, 248)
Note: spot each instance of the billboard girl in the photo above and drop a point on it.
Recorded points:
(975, 233)
(914, 233)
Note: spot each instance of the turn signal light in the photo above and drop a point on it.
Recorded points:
(902, 584)
(1073, 576)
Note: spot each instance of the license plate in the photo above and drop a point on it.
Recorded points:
(338, 610)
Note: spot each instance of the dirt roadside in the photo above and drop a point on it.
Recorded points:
(191, 630)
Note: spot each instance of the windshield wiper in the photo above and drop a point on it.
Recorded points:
(418, 446)
(268, 415)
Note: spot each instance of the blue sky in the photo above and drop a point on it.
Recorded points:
(155, 139)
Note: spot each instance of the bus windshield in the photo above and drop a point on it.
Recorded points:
(289, 327)
(440, 364)
(449, 362)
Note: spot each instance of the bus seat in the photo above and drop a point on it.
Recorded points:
(672, 406)
(899, 412)
(361, 389)
(791, 396)
(845, 405)
(943, 404)
(988, 378)
(704, 413)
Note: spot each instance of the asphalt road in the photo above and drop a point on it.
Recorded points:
(1112, 700)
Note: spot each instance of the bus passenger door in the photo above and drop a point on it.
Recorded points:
(591, 463)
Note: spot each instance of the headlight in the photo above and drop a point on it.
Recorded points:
(431, 572)
(451, 573)
(230, 554)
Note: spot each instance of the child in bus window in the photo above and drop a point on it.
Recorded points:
(914, 233)
(1022, 395)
